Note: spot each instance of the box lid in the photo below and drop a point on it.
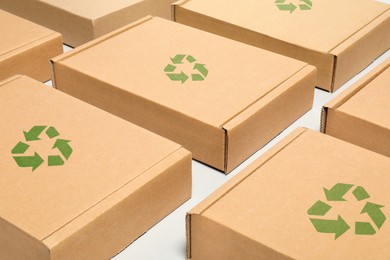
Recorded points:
(310, 28)
(90, 8)
(222, 77)
(275, 202)
(371, 103)
(100, 154)
(18, 32)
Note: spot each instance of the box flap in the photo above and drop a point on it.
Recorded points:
(90, 8)
(220, 80)
(271, 204)
(18, 32)
(307, 28)
(100, 154)
(372, 103)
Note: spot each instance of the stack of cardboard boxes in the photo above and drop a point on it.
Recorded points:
(83, 181)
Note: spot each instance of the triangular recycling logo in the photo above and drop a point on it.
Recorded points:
(60, 151)
(318, 211)
(289, 6)
(175, 72)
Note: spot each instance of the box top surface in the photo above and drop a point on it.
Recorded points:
(91, 8)
(271, 205)
(18, 32)
(372, 103)
(233, 75)
(322, 28)
(104, 154)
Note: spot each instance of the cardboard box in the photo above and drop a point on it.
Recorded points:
(361, 114)
(312, 196)
(77, 182)
(339, 37)
(221, 99)
(82, 21)
(26, 48)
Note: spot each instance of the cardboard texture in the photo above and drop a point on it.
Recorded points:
(339, 37)
(360, 115)
(221, 99)
(77, 182)
(82, 21)
(311, 196)
(26, 48)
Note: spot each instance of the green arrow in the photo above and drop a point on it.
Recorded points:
(360, 193)
(308, 2)
(337, 227)
(20, 148)
(29, 161)
(190, 59)
(178, 59)
(337, 192)
(197, 77)
(64, 147)
(287, 7)
(202, 69)
(319, 209)
(52, 132)
(178, 77)
(170, 68)
(304, 7)
(33, 134)
(364, 228)
(55, 161)
(375, 213)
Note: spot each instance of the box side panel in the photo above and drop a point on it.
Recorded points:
(324, 62)
(256, 126)
(204, 141)
(211, 240)
(358, 131)
(357, 52)
(32, 60)
(75, 29)
(16, 244)
(111, 225)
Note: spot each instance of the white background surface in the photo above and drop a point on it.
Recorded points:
(167, 239)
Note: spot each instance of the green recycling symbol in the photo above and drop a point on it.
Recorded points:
(339, 227)
(34, 161)
(199, 72)
(304, 5)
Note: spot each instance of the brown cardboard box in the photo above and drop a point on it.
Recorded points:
(312, 196)
(82, 21)
(77, 182)
(339, 37)
(221, 99)
(361, 114)
(26, 48)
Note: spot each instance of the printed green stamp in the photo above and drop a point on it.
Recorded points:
(284, 5)
(62, 150)
(174, 73)
(339, 227)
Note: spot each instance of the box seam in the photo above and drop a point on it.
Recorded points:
(188, 238)
(250, 174)
(265, 94)
(358, 30)
(29, 43)
(324, 118)
(13, 78)
(361, 86)
(113, 192)
(363, 120)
